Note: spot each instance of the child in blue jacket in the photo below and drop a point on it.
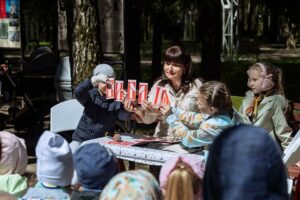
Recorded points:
(216, 114)
(100, 114)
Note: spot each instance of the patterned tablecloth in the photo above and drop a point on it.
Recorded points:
(146, 155)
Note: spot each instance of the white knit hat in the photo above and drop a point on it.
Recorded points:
(104, 69)
(13, 158)
(54, 160)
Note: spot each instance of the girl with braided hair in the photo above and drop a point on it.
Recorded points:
(216, 114)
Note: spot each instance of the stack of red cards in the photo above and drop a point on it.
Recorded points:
(116, 92)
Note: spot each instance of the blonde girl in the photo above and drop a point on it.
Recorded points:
(264, 104)
(181, 178)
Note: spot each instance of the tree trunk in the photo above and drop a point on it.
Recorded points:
(241, 17)
(274, 23)
(86, 46)
(132, 39)
(69, 5)
(156, 46)
(252, 19)
(211, 39)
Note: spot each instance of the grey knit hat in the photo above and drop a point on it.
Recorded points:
(54, 160)
(104, 69)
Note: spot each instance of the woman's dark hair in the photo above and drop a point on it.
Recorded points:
(176, 54)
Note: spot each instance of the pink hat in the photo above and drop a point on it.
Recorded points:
(197, 165)
(13, 159)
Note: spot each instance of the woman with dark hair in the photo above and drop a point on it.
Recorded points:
(181, 90)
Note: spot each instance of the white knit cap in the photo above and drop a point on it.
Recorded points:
(104, 69)
(13, 158)
(54, 160)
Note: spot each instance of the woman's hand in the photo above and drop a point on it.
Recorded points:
(165, 109)
(129, 105)
(146, 105)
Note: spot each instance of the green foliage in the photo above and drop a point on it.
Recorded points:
(235, 77)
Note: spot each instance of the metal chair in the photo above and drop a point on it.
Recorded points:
(65, 116)
(296, 116)
(292, 152)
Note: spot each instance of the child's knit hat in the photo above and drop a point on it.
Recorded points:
(13, 154)
(104, 69)
(54, 160)
(245, 162)
(134, 184)
(197, 165)
(95, 165)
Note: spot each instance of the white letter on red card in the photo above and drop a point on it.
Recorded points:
(110, 93)
(131, 91)
(164, 97)
(157, 97)
(143, 92)
(119, 90)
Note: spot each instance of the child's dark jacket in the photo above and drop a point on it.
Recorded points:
(99, 115)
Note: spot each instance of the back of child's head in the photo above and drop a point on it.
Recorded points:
(181, 178)
(216, 94)
(95, 165)
(54, 160)
(272, 77)
(242, 164)
(13, 154)
(104, 69)
(132, 185)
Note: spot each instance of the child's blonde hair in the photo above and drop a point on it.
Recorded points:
(183, 183)
(276, 76)
(217, 95)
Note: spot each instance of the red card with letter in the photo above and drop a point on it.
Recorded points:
(131, 91)
(110, 90)
(165, 97)
(157, 97)
(143, 92)
(119, 90)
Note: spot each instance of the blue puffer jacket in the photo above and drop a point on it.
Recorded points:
(99, 115)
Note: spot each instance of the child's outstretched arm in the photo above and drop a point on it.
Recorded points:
(190, 138)
(192, 119)
(82, 91)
